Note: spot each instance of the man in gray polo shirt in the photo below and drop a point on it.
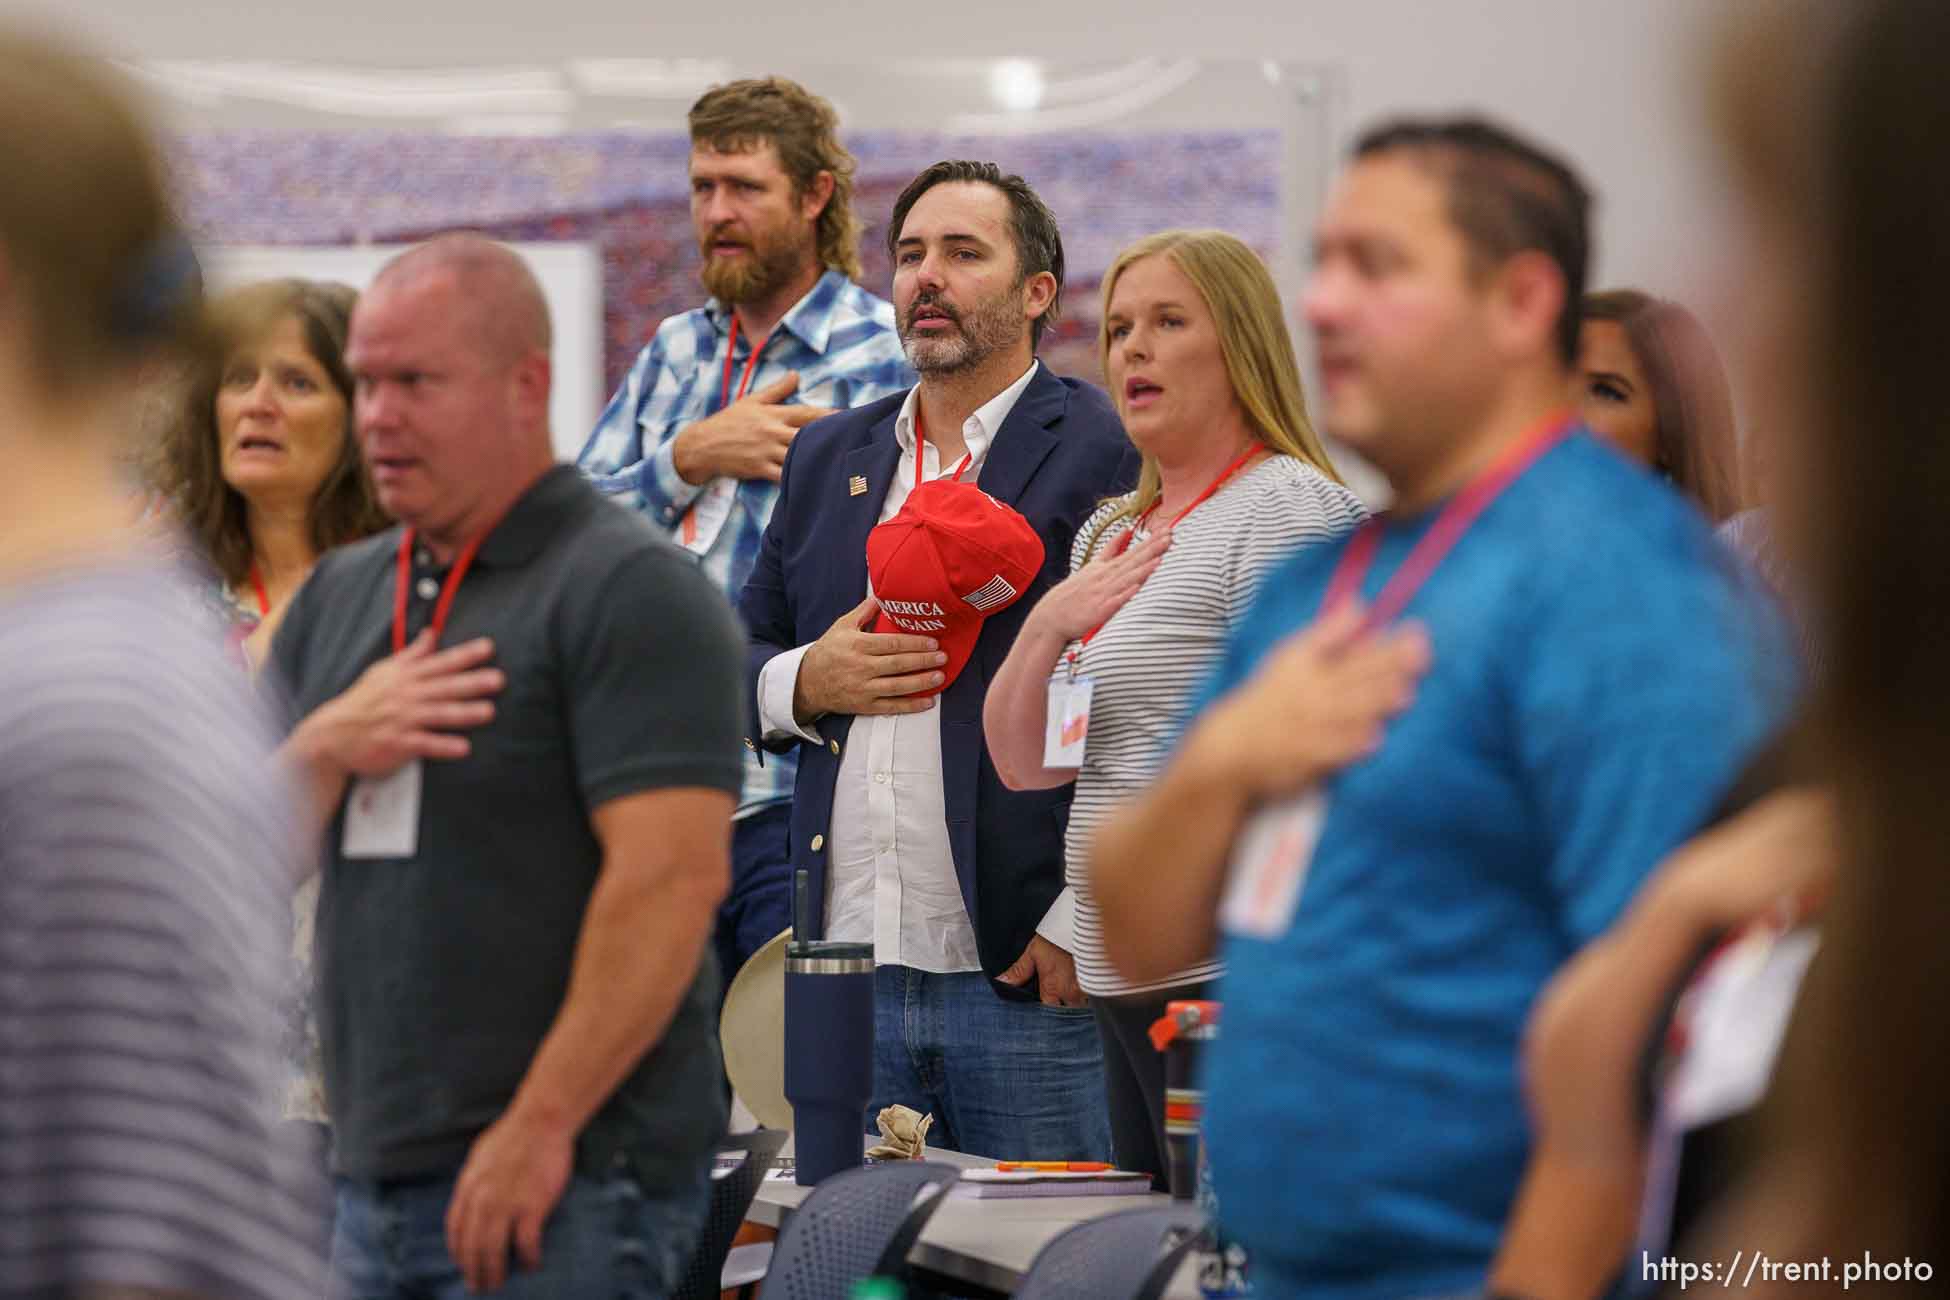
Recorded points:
(521, 721)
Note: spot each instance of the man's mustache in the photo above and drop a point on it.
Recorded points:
(936, 305)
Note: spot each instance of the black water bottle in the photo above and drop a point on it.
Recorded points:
(828, 1050)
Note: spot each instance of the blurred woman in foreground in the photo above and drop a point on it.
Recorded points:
(146, 847)
(1848, 244)
(1850, 203)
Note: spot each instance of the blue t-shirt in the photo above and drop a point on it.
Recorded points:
(1601, 669)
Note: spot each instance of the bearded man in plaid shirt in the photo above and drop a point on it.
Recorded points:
(696, 435)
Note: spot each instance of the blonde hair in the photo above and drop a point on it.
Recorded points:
(1253, 338)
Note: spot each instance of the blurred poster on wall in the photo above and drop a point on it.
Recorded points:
(288, 162)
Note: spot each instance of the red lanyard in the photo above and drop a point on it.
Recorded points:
(1448, 529)
(751, 364)
(403, 578)
(263, 597)
(689, 526)
(1124, 542)
(921, 443)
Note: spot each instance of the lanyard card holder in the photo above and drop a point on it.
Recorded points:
(1066, 718)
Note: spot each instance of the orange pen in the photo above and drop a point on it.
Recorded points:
(1052, 1167)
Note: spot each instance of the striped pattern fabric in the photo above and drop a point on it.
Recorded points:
(146, 859)
(1149, 661)
(840, 339)
(992, 594)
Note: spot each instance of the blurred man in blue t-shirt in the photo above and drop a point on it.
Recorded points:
(1539, 676)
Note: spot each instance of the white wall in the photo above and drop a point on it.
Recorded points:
(571, 276)
(1614, 83)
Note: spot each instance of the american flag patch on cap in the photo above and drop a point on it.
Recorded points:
(996, 591)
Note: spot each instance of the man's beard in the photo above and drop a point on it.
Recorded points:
(981, 332)
(767, 263)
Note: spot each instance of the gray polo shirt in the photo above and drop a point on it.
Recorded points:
(439, 974)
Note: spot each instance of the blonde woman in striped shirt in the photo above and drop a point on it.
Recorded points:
(1200, 363)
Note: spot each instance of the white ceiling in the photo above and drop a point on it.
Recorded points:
(956, 96)
(1614, 83)
(407, 33)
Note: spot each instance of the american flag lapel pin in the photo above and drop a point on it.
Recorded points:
(857, 486)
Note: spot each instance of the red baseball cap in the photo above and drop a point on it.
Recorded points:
(953, 556)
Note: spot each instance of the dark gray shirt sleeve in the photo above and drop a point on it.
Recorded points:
(653, 667)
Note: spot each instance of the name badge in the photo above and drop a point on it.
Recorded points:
(382, 815)
(1066, 723)
(707, 516)
(1270, 866)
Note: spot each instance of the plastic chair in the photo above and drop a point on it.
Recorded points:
(1130, 1255)
(731, 1200)
(859, 1223)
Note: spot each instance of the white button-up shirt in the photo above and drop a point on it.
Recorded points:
(890, 877)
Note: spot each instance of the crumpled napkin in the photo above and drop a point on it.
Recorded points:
(904, 1131)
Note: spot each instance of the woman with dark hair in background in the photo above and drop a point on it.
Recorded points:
(266, 473)
(148, 844)
(1650, 382)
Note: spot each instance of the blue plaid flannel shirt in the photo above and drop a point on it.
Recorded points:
(840, 338)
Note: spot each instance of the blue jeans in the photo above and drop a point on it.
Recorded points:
(605, 1238)
(1012, 1080)
(759, 903)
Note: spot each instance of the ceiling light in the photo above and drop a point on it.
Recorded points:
(1017, 85)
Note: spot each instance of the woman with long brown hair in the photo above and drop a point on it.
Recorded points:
(265, 473)
(1847, 247)
(1649, 381)
(1848, 191)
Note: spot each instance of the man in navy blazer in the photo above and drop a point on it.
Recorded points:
(911, 841)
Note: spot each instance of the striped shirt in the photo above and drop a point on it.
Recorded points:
(840, 339)
(1150, 659)
(146, 858)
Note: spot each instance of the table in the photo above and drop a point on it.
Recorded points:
(984, 1242)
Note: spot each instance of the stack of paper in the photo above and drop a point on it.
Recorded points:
(991, 1183)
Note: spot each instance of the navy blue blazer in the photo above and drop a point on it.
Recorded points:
(1061, 451)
